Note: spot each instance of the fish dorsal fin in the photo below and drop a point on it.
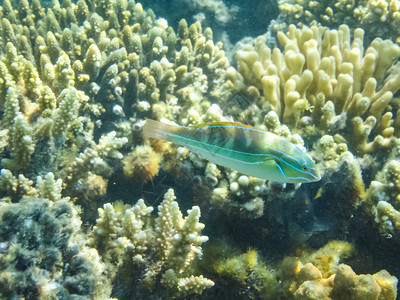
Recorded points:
(235, 124)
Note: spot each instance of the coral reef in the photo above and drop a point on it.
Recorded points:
(79, 78)
(381, 18)
(383, 196)
(43, 254)
(76, 81)
(311, 275)
(307, 282)
(161, 251)
(323, 78)
(230, 20)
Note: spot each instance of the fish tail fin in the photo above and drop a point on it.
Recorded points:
(157, 130)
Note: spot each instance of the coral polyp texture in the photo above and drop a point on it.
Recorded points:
(380, 18)
(78, 79)
(160, 250)
(325, 78)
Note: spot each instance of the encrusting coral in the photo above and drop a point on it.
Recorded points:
(320, 274)
(161, 251)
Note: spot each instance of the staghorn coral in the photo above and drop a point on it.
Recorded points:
(162, 252)
(15, 188)
(69, 91)
(93, 158)
(22, 144)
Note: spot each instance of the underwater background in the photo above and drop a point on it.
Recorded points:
(91, 209)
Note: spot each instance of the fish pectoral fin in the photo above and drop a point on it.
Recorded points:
(297, 186)
(272, 163)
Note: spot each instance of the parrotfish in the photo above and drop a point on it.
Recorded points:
(244, 148)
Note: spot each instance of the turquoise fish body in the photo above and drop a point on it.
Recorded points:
(246, 149)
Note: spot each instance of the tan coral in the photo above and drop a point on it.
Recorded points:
(380, 18)
(324, 78)
(174, 240)
(327, 278)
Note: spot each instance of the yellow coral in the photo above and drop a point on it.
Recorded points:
(325, 78)
(323, 277)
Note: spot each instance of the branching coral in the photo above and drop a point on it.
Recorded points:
(383, 196)
(324, 78)
(380, 18)
(93, 158)
(87, 69)
(77, 81)
(165, 247)
(71, 76)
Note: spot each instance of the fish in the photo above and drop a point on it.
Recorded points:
(244, 148)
